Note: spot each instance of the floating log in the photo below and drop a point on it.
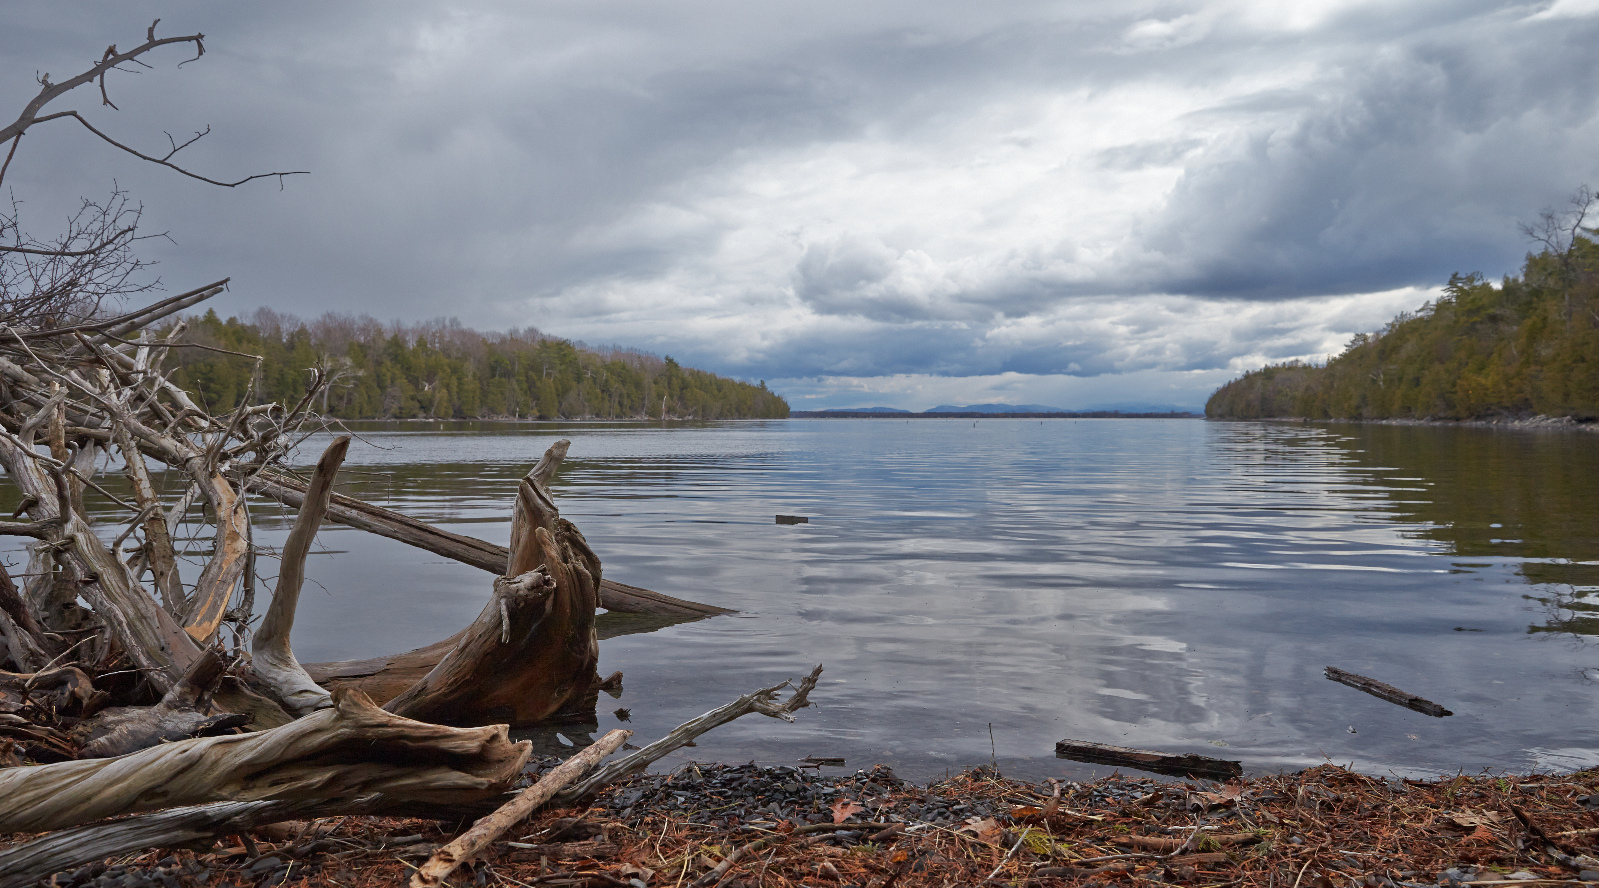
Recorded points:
(1387, 692)
(1148, 760)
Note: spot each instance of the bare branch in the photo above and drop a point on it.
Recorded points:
(172, 166)
(52, 91)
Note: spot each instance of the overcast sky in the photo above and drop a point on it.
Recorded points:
(896, 203)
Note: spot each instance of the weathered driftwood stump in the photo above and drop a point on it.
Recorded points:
(530, 656)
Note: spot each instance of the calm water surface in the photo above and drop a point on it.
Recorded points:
(1177, 585)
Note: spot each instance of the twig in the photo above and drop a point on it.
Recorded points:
(467, 846)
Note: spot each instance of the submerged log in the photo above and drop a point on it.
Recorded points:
(1148, 760)
(1387, 692)
(351, 750)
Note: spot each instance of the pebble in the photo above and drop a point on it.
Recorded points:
(733, 794)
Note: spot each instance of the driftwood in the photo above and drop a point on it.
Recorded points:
(481, 554)
(351, 750)
(1387, 692)
(1147, 760)
(530, 656)
(273, 658)
(469, 844)
(184, 712)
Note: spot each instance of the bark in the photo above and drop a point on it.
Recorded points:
(469, 844)
(274, 660)
(351, 750)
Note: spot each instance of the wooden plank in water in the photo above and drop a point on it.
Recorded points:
(1189, 765)
(1387, 692)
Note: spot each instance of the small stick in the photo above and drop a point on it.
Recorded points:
(1006, 859)
(1384, 691)
(467, 846)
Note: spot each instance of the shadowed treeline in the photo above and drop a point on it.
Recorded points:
(1529, 345)
(442, 370)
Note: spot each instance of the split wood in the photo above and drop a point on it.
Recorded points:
(470, 843)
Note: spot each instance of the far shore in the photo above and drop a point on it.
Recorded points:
(1532, 423)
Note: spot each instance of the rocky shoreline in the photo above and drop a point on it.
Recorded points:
(738, 826)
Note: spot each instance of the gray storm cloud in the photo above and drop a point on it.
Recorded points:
(942, 190)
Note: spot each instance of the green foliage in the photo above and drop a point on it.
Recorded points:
(444, 371)
(1529, 345)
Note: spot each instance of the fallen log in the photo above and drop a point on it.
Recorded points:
(478, 553)
(28, 864)
(1148, 760)
(351, 750)
(469, 844)
(1387, 692)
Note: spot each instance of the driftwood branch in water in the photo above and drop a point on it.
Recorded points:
(481, 554)
(1149, 760)
(351, 750)
(271, 656)
(469, 844)
(1387, 692)
(763, 701)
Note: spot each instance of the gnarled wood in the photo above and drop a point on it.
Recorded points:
(184, 712)
(274, 659)
(353, 749)
(531, 653)
(148, 634)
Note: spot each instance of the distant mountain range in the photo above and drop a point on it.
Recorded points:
(995, 408)
(1019, 408)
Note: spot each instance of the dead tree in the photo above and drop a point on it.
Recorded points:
(118, 682)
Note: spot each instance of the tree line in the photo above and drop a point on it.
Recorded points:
(1527, 345)
(441, 370)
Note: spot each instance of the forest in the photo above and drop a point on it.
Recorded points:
(441, 370)
(1525, 346)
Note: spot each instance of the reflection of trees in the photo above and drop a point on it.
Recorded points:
(1499, 494)
(1571, 598)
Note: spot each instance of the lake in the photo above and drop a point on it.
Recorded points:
(983, 589)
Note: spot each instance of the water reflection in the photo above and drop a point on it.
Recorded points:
(1177, 585)
(1501, 495)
